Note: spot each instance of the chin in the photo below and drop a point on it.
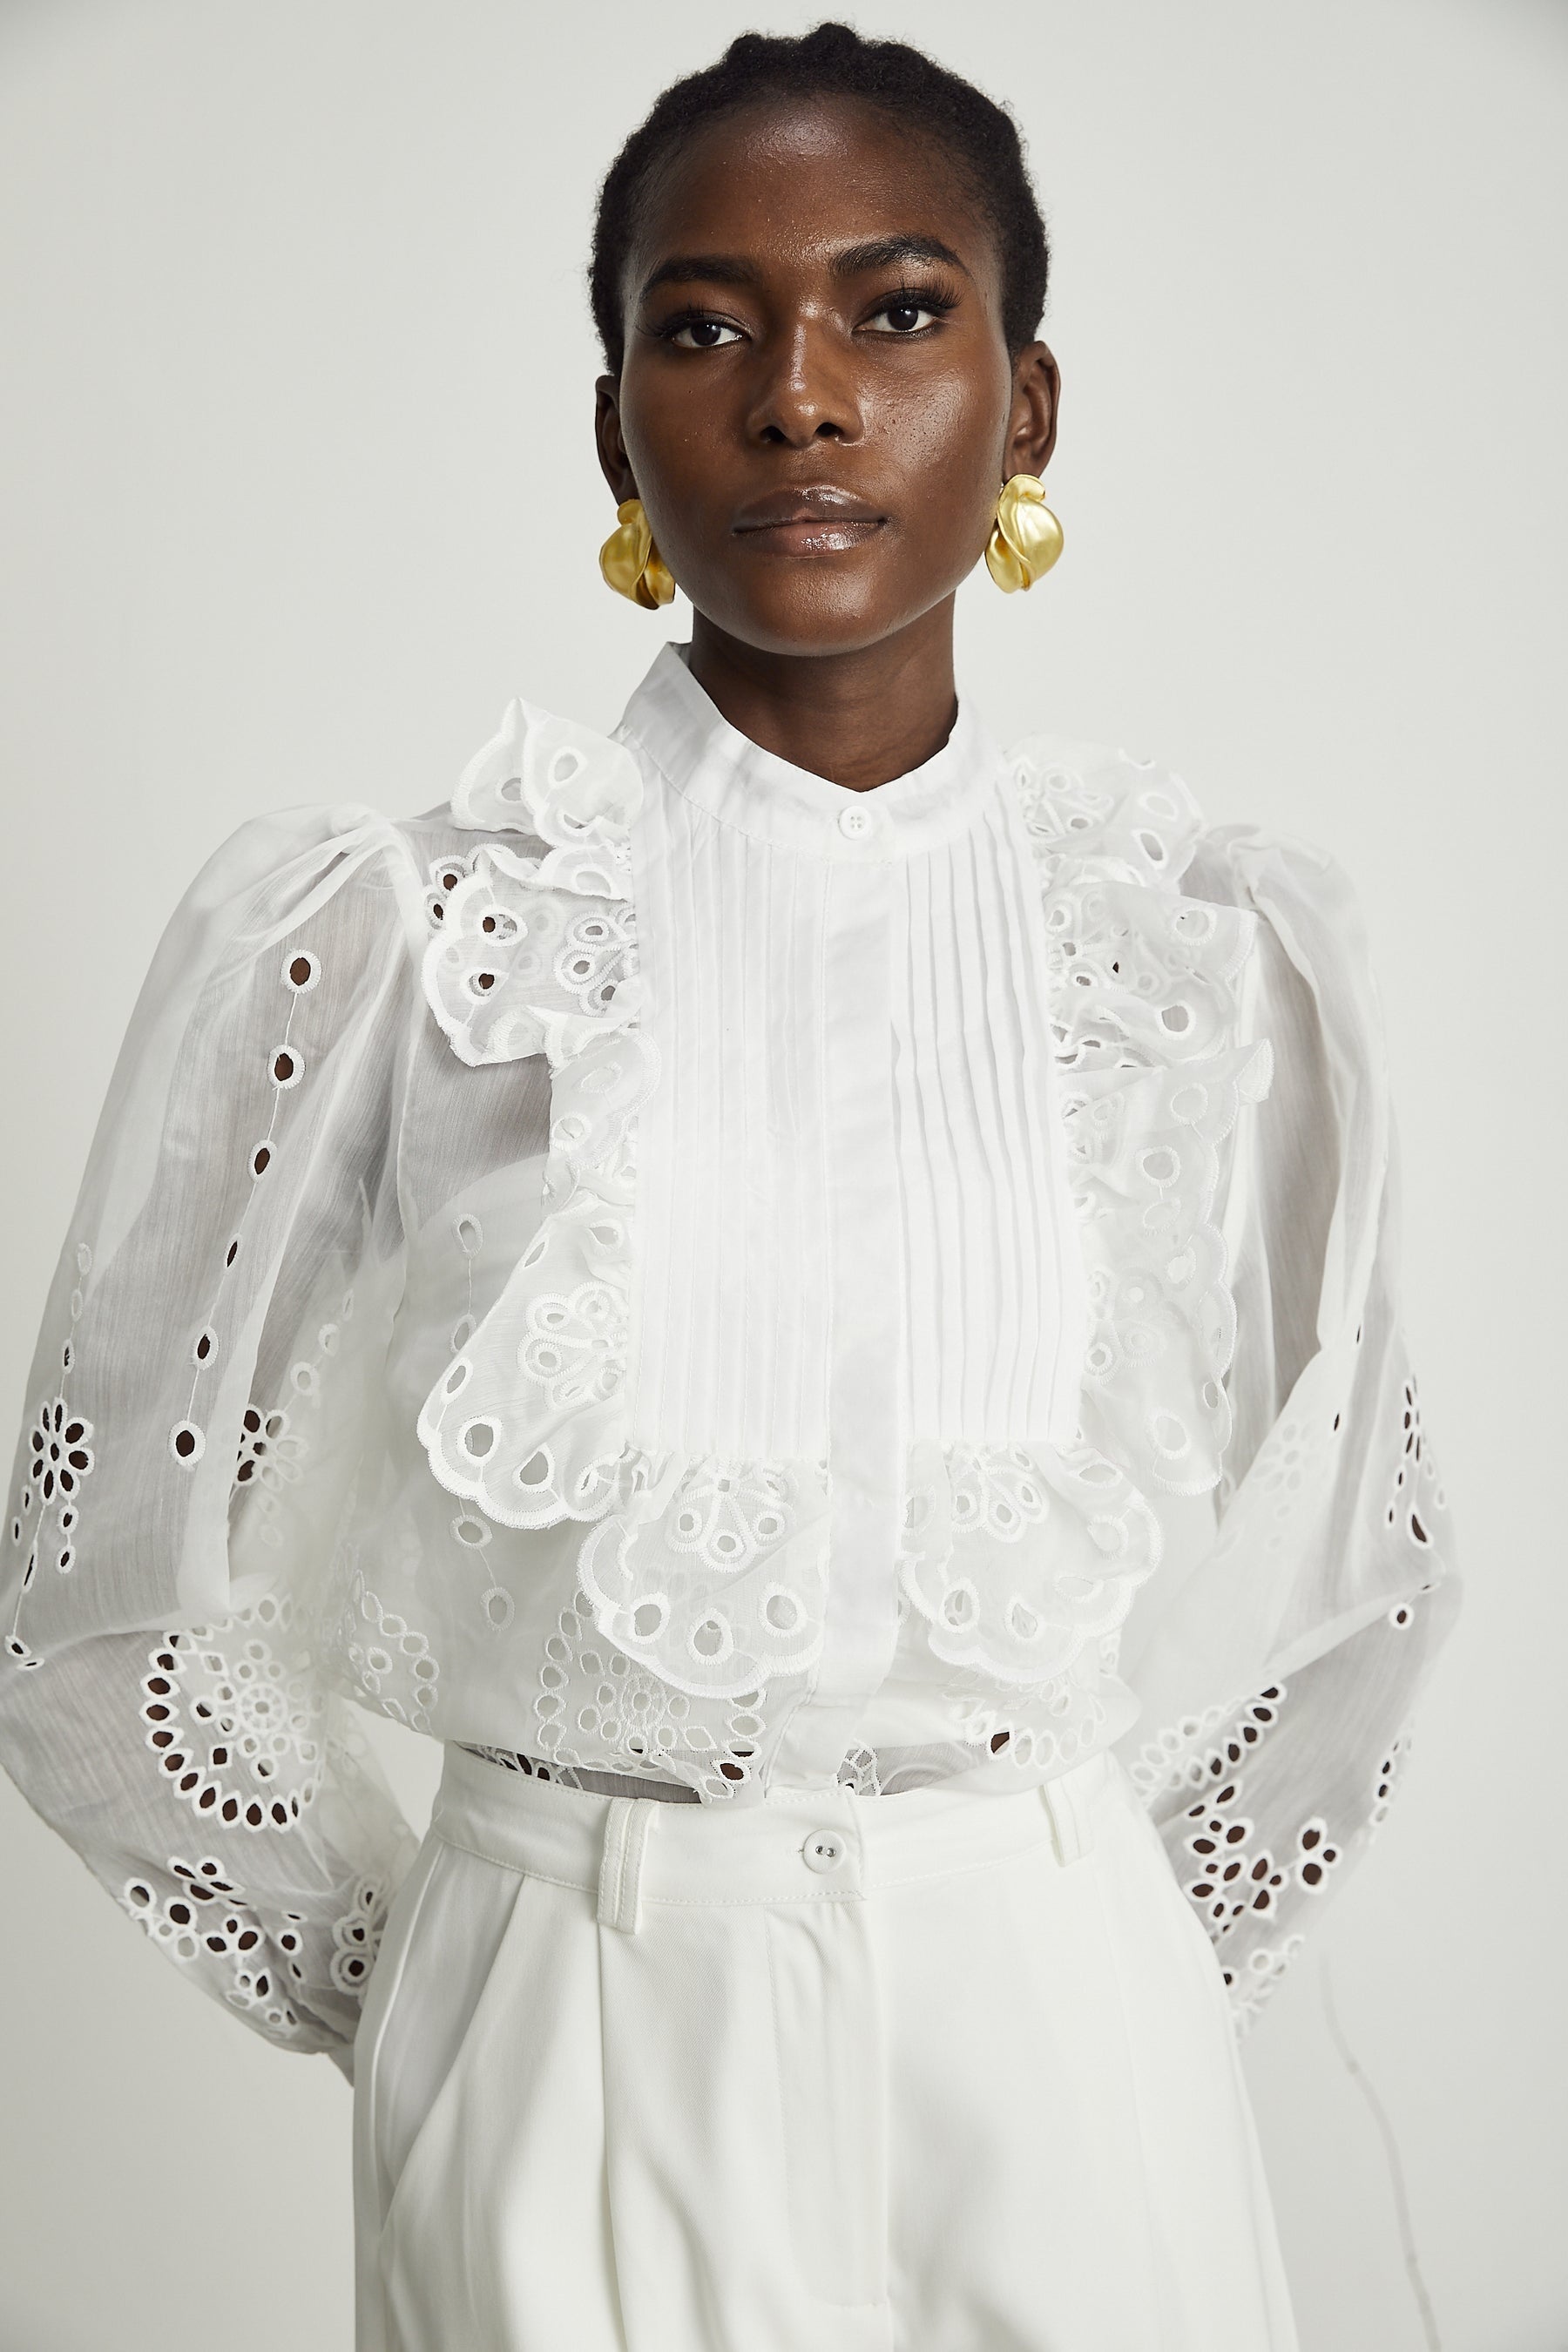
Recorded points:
(815, 614)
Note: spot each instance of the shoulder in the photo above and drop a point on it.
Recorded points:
(1096, 810)
(1306, 906)
(541, 791)
(1078, 786)
(293, 851)
(1257, 864)
(343, 869)
(1085, 803)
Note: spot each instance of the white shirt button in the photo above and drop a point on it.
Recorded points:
(824, 1850)
(854, 822)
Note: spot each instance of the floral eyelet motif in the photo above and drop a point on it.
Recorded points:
(200, 1912)
(1233, 1876)
(59, 1458)
(234, 1716)
(62, 1451)
(199, 1915)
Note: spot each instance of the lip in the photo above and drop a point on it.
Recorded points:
(818, 518)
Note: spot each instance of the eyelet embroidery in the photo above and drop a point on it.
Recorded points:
(202, 1914)
(299, 976)
(391, 1661)
(60, 1458)
(707, 1578)
(1146, 1009)
(234, 1717)
(275, 1440)
(998, 1593)
(595, 1703)
(708, 1574)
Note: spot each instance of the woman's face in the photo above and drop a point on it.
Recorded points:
(817, 406)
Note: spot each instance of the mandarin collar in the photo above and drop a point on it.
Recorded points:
(701, 756)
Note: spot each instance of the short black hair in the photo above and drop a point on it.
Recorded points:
(833, 61)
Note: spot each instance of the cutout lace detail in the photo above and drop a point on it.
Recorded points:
(391, 1661)
(1418, 1493)
(1390, 1779)
(287, 1066)
(594, 1700)
(1233, 1873)
(1146, 1013)
(535, 954)
(59, 1458)
(975, 1506)
(199, 1913)
(203, 1914)
(1237, 1882)
(234, 1717)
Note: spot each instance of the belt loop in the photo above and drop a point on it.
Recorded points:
(1070, 1824)
(626, 1824)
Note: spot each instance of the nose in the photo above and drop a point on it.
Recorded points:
(805, 389)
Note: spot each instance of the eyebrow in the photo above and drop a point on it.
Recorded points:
(853, 261)
(887, 252)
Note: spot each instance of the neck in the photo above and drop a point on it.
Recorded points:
(859, 719)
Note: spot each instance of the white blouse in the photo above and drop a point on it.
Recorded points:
(669, 1266)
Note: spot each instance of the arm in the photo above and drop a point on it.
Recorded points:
(1279, 1680)
(212, 1334)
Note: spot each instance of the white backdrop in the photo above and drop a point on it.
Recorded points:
(297, 488)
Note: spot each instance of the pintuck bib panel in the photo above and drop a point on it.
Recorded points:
(880, 1288)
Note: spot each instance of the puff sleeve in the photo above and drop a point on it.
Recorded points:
(1280, 1672)
(213, 1332)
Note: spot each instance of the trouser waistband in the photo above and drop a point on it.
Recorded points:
(795, 1845)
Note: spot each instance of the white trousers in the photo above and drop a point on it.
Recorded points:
(938, 2072)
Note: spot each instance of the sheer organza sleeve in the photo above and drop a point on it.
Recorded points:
(1278, 1673)
(210, 1346)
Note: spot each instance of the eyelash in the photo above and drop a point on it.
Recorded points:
(938, 301)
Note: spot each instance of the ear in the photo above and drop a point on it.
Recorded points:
(1032, 419)
(614, 463)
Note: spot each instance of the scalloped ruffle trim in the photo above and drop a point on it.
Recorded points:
(1018, 1562)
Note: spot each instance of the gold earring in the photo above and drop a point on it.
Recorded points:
(631, 564)
(1027, 538)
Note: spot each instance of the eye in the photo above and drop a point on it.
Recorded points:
(702, 335)
(904, 317)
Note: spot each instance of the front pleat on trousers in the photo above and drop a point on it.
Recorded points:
(944, 2072)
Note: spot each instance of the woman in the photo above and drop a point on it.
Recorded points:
(815, 1300)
